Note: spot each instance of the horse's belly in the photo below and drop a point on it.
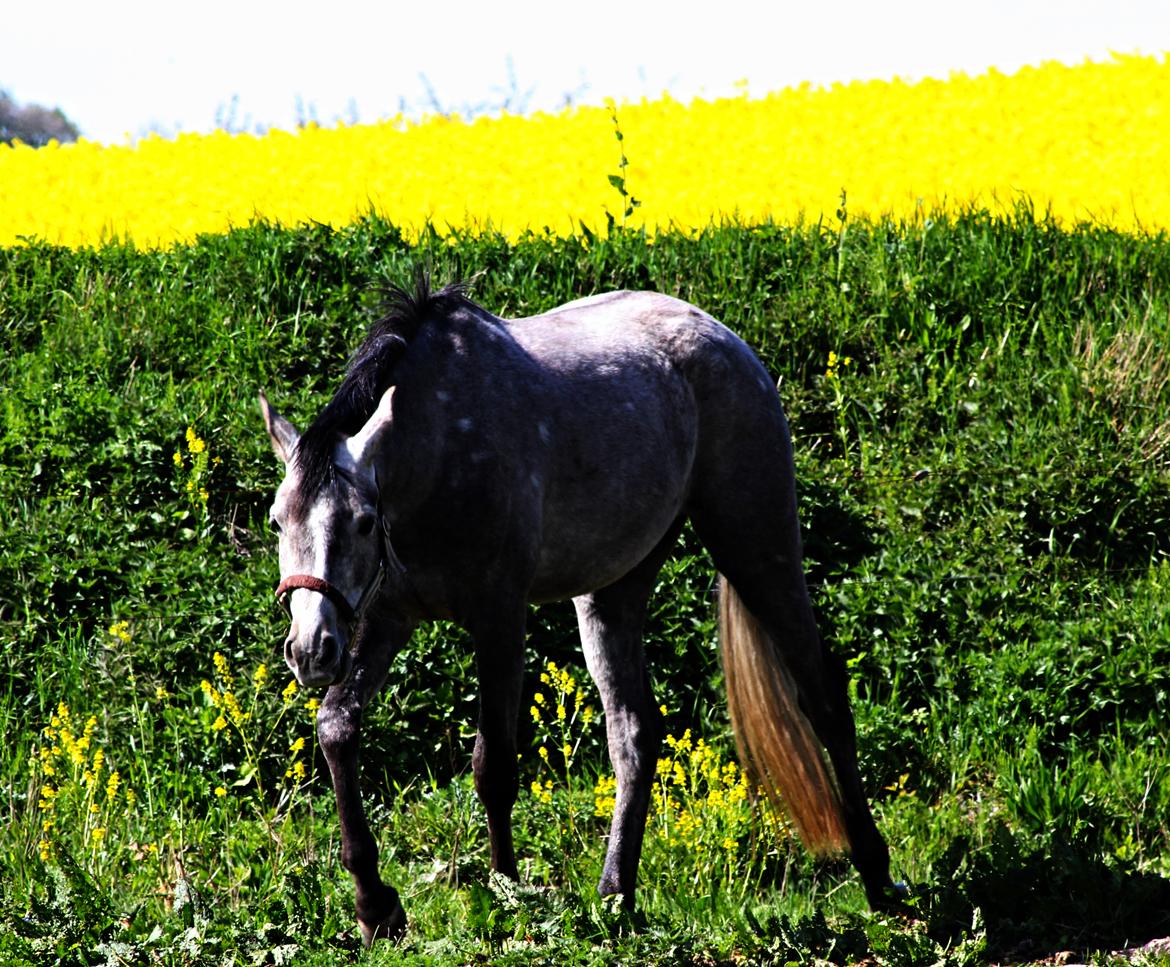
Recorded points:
(604, 531)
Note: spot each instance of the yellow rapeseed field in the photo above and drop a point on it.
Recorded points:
(1088, 142)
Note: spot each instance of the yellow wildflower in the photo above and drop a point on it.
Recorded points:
(232, 706)
(605, 797)
(222, 667)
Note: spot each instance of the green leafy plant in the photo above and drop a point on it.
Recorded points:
(628, 202)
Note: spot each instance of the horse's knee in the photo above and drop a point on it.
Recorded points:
(338, 731)
(497, 777)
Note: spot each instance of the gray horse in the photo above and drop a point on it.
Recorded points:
(468, 465)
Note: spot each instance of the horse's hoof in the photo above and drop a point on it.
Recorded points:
(890, 898)
(393, 928)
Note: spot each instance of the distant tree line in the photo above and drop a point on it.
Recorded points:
(33, 124)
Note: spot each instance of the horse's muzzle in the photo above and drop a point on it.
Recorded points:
(322, 661)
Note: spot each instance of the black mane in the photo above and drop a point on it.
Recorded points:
(368, 375)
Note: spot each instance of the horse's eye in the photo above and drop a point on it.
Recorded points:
(365, 524)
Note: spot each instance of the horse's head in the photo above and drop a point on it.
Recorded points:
(332, 544)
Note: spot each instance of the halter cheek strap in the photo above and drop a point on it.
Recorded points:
(321, 586)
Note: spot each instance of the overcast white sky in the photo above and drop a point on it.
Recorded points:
(125, 67)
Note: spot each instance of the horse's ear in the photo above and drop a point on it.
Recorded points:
(284, 435)
(365, 443)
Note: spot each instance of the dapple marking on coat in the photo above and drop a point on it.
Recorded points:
(468, 465)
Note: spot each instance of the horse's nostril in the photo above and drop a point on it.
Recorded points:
(327, 651)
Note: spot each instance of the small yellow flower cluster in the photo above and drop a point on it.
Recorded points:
(703, 812)
(194, 444)
(832, 370)
(250, 720)
(194, 477)
(567, 694)
(698, 795)
(561, 718)
(900, 787)
(296, 765)
(542, 791)
(120, 630)
(605, 796)
(223, 699)
(78, 790)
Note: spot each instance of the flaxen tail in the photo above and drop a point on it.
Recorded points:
(777, 746)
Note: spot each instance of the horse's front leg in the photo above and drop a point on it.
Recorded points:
(379, 911)
(499, 650)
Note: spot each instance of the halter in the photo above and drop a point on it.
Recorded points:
(321, 586)
(310, 582)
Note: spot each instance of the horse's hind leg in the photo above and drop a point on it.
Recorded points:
(379, 911)
(754, 539)
(611, 621)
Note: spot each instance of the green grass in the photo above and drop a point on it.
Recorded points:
(985, 488)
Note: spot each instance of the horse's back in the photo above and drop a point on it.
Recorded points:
(612, 322)
(656, 341)
(645, 397)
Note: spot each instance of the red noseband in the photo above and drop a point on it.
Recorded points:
(321, 586)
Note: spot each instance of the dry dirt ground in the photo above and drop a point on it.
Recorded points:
(1154, 952)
